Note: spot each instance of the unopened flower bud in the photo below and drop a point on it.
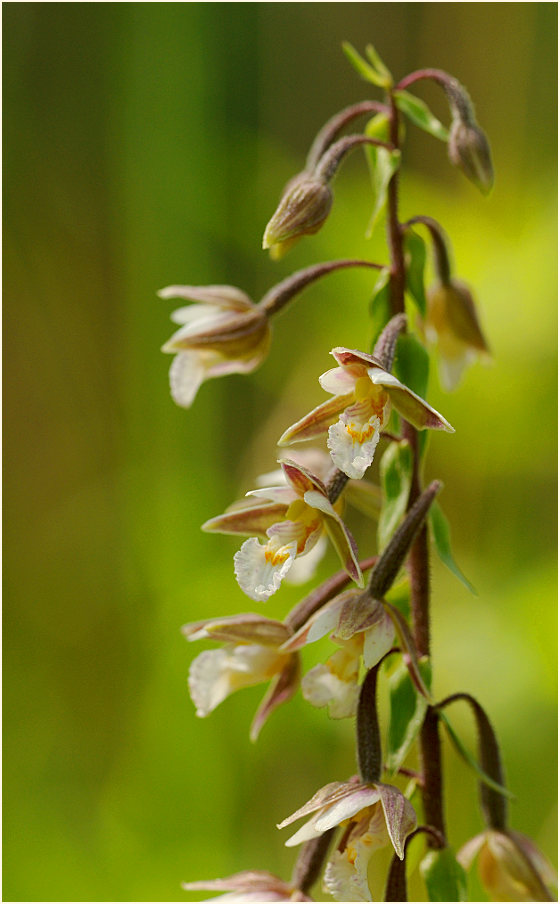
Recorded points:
(303, 208)
(469, 150)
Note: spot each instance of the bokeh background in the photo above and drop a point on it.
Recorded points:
(147, 144)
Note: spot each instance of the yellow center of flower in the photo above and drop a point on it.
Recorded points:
(276, 557)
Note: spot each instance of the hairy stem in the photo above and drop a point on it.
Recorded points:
(418, 561)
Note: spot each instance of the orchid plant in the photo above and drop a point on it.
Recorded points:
(376, 410)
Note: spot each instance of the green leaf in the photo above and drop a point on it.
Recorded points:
(407, 712)
(383, 164)
(415, 257)
(380, 305)
(471, 760)
(441, 534)
(396, 477)
(445, 878)
(381, 78)
(420, 114)
(412, 364)
(379, 65)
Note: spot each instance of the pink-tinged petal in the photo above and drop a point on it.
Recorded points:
(323, 687)
(281, 690)
(507, 872)
(320, 624)
(259, 571)
(248, 879)
(414, 409)
(201, 630)
(541, 864)
(192, 321)
(336, 813)
(378, 640)
(283, 494)
(399, 816)
(345, 546)
(351, 357)
(341, 380)
(325, 795)
(249, 520)
(300, 478)
(346, 874)
(317, 422)
(216, 674)
(469, 851)
(315, 461)
(186, 375)
(352, 441)
(228, 297)
(358, 613)
(264, 631)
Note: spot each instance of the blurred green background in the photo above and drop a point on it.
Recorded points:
(147, 144)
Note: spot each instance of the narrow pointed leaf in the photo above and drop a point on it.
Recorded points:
(395, 473)
(415, 255)
(445, 878)
(378, 64)
(408, 709)
(471, 760)
(420, 114)
(380, 305)
(441, 534)
(363, 68)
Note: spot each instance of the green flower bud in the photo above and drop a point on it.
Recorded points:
(469, 150)
(303, 208)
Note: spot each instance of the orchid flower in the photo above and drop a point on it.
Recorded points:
(363, 395)
(224, 333)
(510, 865)
(291, 519)
(452, 323)
(250, 885)
(361, 631)
(374, 815)
(251, 655)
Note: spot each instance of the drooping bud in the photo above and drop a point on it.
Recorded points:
(469, 150)
(493, 803)
(468, 146)
(303, 208)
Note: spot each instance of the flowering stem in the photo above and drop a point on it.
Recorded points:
(335, 125)
(418, 561)
(456, 94)
(441, 254)
(280, 294)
